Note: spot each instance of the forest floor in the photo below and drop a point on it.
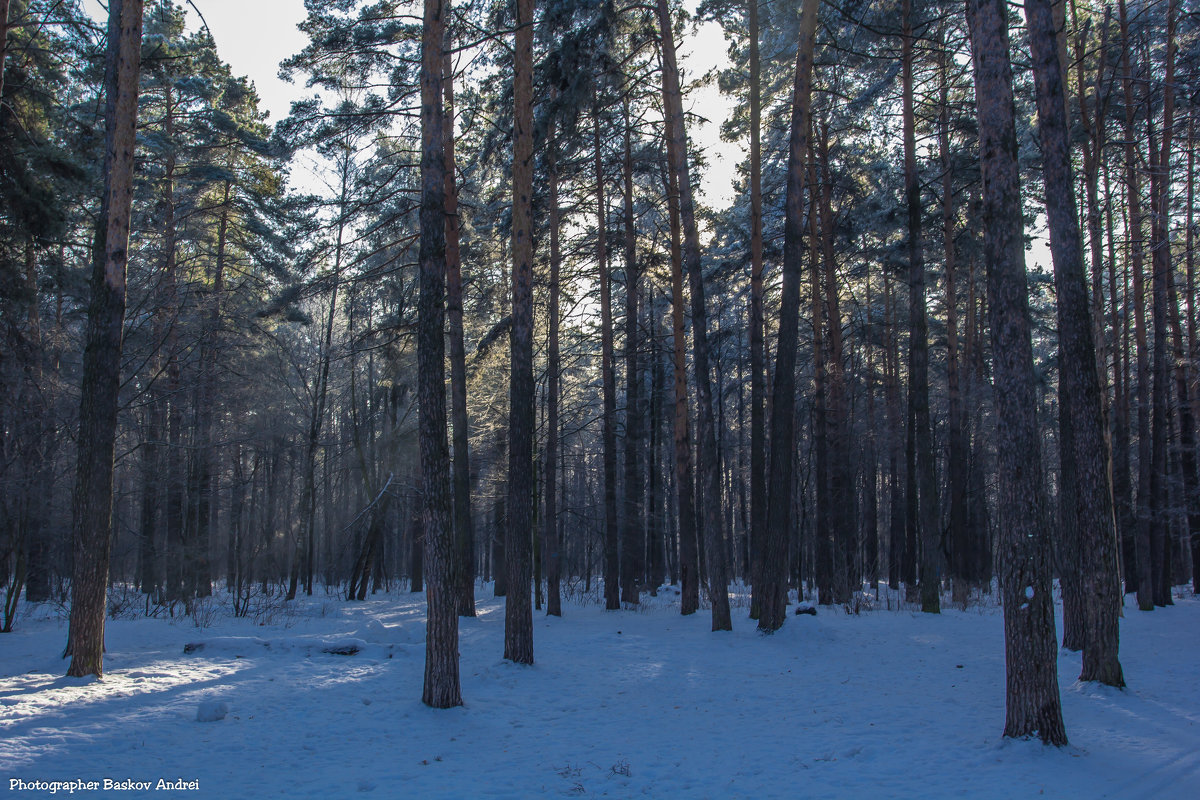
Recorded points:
(635, 703)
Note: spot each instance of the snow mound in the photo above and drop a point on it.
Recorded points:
(212, 711)
(380, 633)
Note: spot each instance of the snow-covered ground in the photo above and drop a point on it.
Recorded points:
(624, 704)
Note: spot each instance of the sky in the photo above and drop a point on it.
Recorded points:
(254, 36)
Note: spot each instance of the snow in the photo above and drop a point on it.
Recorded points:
(633, 703)
(212, 711)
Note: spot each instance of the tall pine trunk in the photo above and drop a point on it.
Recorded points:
(518, 612)
(551, 550)
(689, 557)
(441, 686)
(1160, 249)
(1032, 698)
(632, 540)
(1140, 575)
(464, 523)
(758, 389)
(958, 534)
(780, 477)
(710, 469)
(612, 564)
(924, 481)
(1084, 454)
(93, 501)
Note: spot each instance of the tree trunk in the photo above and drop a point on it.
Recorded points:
(1084, 454)
(958, 533)
(758, 389)
(632, 538)
(871, 461)
(1032, 697)
(93, 501)
(1160, 248)
(553, 544)
(843, 521)
(204, 497)
(689, 557)
(1122, 480)
(518, 613)
(1140, 576)
(612, 564)
(464, 523)
(773, 595)
(710, 469)
(1190, 365)
(897, 513)
(441, 685)
(823, 549)
(925, 498)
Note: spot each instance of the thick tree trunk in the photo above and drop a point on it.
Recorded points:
(1084, 453)
(518, 613)
(93, 501)
(780, 477)
(441, 685)
(1032, 698)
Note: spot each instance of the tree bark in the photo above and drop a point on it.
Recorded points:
(441, 685)
(93, 501)
(1084, 454)
(1032, 698)
(518, 613)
